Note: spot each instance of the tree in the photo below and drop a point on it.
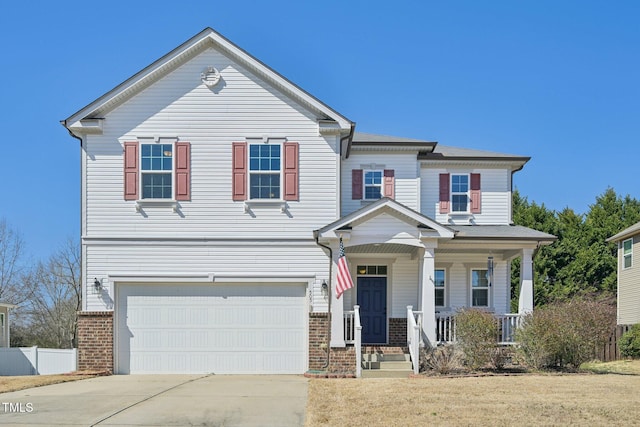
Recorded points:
(56, 299)
(12, 268)
(580, 262)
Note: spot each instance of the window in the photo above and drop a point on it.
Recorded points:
(479, 288)
(264, 171)
(372, 185)
(627, 253)
(156, 167)
(439, 282)
(372, 270)
(459, 193)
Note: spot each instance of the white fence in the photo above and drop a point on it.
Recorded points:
(36, 361)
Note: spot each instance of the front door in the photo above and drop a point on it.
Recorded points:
(372, 298)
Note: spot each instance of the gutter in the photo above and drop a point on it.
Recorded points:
(349, 138)
(315, 234)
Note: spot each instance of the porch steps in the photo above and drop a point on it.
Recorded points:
(385, 362)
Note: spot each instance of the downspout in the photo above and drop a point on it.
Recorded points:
(326, 365)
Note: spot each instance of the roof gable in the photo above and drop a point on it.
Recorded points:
(389, 207)
(207, 38)
(626, 233)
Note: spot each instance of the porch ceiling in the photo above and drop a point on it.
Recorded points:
(382, 248)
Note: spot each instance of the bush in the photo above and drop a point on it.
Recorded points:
(564, 335)
(477, 335)
(630, 342)
(442, 360)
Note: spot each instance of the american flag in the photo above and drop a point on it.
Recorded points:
(344, 281)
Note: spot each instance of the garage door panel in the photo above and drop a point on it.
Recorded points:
(221, 329)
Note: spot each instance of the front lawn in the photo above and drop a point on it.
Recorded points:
(529, 399)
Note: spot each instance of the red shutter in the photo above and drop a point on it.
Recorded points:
(444, 193)
(356, 184)
(291, 171)
(131, 171)
(183, 171)
(389, 183)
(476, 198)
(239, 167)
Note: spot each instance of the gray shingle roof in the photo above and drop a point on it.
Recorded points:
(361, 137)
(627, 232)
(500, 232)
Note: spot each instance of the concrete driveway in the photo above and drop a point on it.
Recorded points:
(161, 400)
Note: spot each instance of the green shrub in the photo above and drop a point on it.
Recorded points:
(630, 342)
(477, 335)
(564, 335)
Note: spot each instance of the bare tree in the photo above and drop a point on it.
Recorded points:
(12, 267)
(56, 299)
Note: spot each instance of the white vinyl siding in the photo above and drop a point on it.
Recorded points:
(179, 106)
(224, 259)
(404, 166)
(220, 329)
(495, 190)
(404, 287)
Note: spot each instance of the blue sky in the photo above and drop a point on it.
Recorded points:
(557, 81)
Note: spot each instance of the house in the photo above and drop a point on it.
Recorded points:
(628, 241)
(5, 340)
(214, 195)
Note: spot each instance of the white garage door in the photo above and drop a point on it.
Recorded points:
(222, 329)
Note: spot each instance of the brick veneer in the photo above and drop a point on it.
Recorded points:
(342, 360)
(398, 331)
(95, 341)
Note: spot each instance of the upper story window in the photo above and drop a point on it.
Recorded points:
(264, 171)
(627, 253)
(156, 168)
(459, 193)
(479, 288)
(372, 184)
(157, 171)
(440, 283)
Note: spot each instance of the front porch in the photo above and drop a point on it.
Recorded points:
(412, 274)
(411, 338)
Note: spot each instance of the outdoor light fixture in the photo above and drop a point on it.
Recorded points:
(325, 288)
(96, 283)
(490, 269)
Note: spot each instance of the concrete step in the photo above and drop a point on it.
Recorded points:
(393, 365)
(379, 357)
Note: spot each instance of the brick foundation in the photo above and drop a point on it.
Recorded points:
(95, 341)
(342, 360)
(398, 331)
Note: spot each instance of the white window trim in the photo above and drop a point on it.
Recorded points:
(364, 184)
(445, 288)
(630, 254)
(471, 288)
(260, 201)
(169, 201)
(467, 193)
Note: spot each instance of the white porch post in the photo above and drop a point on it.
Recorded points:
(427, 295)
(337, 306)
(525, 302)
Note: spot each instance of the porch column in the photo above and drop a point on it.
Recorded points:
(337, 306)
(525, 302)
(427, 295)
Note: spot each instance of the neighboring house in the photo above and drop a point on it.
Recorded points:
(5, 338)
(628, 241)
(214, 194)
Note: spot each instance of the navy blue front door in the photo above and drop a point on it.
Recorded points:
(372, 299)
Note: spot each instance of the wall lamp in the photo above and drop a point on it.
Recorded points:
(325, 288)
(97, 283)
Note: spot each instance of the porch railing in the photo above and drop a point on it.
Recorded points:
(414, 327)
(508, 323)
(353, 334)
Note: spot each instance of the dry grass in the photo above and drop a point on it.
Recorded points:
(16, 383)
(625, 367)
(576, 399)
